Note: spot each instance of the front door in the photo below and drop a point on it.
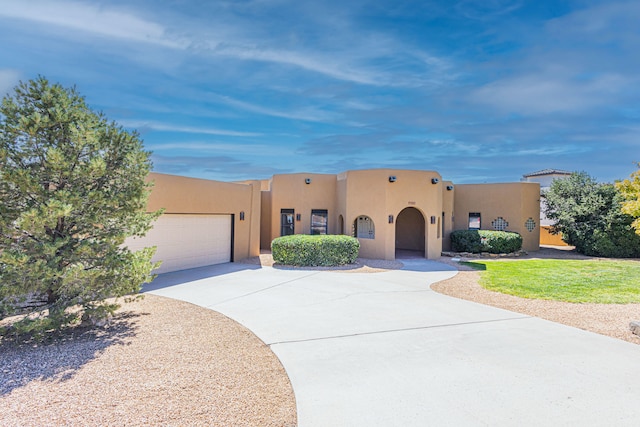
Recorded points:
(287, 225)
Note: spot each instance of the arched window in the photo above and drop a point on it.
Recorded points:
(364, 228)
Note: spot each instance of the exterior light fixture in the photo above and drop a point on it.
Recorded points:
(390, 219)
(449, 187)
(307, 181)
(241, 215)
(298, 217)
(435, 180)
(433, 220)
(392, 178)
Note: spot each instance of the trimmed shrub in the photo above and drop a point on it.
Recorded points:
(466, 241)
(476, 241)
(310, 251)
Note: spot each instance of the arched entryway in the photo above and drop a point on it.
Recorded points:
(410, 234)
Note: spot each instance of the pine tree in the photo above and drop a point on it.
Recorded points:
(72, 188)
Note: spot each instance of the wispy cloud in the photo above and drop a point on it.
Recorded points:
(206, 147)
(311, 114)
(90, 18)
(142, 125)
(215, 167)
(486, 9)
(357, 60)
(550, 93)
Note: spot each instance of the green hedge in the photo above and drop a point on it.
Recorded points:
(310, 251)
(476, 241)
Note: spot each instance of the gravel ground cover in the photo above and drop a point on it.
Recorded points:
(160, 362)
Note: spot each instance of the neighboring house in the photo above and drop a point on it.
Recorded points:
(207, 222)
(545, 177)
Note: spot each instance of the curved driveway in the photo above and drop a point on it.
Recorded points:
(382, 349)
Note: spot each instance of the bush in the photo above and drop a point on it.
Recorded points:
(311, 251)
(476, 241)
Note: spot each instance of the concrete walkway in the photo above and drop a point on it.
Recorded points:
(382, 349)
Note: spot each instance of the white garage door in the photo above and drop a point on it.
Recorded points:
(188, 241)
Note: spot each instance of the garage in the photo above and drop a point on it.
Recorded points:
(187, 241)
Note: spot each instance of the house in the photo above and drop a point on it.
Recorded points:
(545, 177)
(207, 222)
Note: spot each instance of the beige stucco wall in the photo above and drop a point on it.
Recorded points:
(548, 238)
(515, 202)
(292, 192)
(177, 194)
(369, 192)
(447, 208)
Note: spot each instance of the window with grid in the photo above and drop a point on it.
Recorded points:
(530, 224)
(499, 224)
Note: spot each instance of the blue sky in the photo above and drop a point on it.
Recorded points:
(481, 91)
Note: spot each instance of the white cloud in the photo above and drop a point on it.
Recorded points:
(89, 18)
(204, 147)
(486, 9)
(329, 65)
(545, 93)
(164, 127)
(306, 114)
(348, 57)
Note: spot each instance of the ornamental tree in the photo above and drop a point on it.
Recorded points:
(630, 190)
(72, 188)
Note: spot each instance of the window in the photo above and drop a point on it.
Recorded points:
(364, 228)
(499, 224)
(530, 224)
(319, 221)
(474, 221)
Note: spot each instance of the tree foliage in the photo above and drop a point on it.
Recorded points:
(589, 216)
(72, 188)
(630, 190)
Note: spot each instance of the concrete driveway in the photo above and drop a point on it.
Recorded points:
(383, 349)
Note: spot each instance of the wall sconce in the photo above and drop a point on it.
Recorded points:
(307, 180)
(392, 178)
(433, 220)
(449, 187)
(298, 217)
(390, 219)
(241, 215)
(435, 180)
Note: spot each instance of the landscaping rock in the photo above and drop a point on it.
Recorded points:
(635, 327)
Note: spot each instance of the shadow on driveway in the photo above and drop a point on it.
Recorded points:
(173, 278)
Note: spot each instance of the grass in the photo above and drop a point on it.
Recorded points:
(578, 281)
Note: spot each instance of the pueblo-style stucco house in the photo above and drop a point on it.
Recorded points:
(208, 222)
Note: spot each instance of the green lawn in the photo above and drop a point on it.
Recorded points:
(597, 281)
